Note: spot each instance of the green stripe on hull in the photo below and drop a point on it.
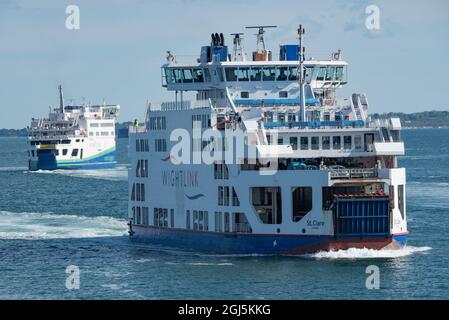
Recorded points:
(68, 162)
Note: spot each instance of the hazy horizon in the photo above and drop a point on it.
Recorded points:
(117, 52)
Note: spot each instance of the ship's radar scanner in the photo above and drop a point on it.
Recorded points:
(261, 54)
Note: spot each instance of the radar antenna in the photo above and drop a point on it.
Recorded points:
(260, 33)
(239, 54)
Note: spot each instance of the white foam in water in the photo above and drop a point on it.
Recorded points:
(13, 168)
(119, 173)
(365, 253)
(28, 225)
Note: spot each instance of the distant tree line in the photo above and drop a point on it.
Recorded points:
(426, 119)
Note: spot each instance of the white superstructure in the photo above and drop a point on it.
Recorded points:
(73, 137)
(316, 173)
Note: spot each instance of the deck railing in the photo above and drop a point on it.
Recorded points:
(356, 173)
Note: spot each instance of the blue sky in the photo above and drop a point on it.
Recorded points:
(117, 53)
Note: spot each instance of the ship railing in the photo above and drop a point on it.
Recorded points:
(356, 173)
(314, 124)
(139, 128)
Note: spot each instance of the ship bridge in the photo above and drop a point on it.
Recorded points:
(260, 80)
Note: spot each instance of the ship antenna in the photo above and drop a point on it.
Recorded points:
(302, 100)
(61, 99)
(260, 33)
(239, 55)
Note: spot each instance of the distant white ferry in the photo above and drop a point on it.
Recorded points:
(332, 180)
(73, 137)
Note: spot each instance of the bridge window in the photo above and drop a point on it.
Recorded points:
(347, 142)
(282, 73)
(326, 142)
(336, 143)
(293, 74)
(308, 74)
(243, 74)
(330, 72)
(358, 143)
(231, 74)
(339, 74)
(244, 94)
(315, 143)
(269, 74)
(178, 75)
(198, 75)
(302, 202)
(321, 74)
(304, 143)
(188, 77)
(294, 143)
(256, 74)
(169, 75)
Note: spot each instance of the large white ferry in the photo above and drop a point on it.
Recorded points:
(316, 172)
(73, 137)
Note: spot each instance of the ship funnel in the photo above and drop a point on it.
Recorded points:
(61, 100)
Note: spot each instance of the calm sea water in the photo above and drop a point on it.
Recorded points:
(49, 221)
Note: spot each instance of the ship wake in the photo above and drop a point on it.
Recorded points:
(365, 253)
(120, 173)
(36, 226)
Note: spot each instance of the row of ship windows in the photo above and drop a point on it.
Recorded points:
(157, 123)
(142, 169)
(64, 152)
(195, 219)
(138, 192)
(246, 74)
(142, 145)
(325, 142)
(200, 121)
(223, 196)
(297, 143)
(64, 141)
(102, 125)
(101, 133)
(160, 123)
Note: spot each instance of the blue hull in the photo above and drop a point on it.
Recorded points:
(232, 243)
(49, 162)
